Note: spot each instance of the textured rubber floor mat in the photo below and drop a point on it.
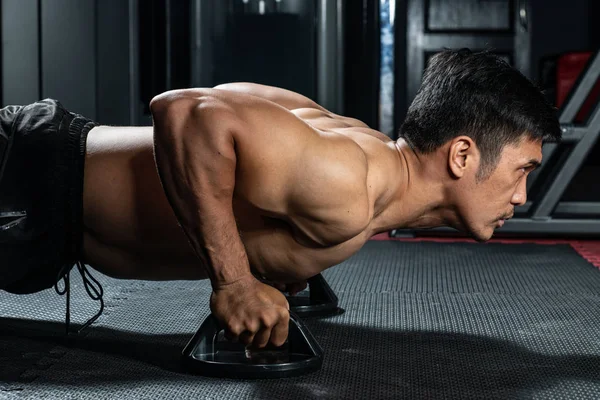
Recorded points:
(423, 320)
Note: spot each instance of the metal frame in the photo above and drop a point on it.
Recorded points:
(134, 63)
(200, 54)
(330, 54)
(546, 215)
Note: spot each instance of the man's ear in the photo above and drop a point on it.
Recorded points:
(463, 156)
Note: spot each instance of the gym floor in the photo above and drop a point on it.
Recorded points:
(434, 318)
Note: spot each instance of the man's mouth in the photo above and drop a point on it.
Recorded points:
(501, 221)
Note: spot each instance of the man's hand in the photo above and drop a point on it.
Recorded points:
(252, 312)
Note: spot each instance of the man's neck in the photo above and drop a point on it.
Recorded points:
(417, 197)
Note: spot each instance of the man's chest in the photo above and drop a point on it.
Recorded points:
(280, 251)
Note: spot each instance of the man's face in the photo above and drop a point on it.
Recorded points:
(485, 205)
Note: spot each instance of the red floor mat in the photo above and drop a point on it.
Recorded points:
(588, 249)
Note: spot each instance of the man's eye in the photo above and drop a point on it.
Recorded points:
(528, 168)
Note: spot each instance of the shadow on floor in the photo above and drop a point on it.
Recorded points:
(360, 362)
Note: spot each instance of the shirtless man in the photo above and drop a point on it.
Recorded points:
(244, 180)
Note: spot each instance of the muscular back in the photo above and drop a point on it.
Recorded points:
(306, 182)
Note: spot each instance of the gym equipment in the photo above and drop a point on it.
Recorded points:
(546, 214)
(318, 300)
(208, 353)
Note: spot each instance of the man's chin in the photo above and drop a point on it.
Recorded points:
(482, 237)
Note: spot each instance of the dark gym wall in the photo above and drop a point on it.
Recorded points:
(68, 53)
(89, 53)
(76, 51)
(557, 26)
(560, 26)
(20, 52)
(75, 57)
(113, 86)
(593, 13)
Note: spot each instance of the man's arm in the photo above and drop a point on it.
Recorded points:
(195, 135)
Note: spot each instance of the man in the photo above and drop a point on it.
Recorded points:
(244, 180)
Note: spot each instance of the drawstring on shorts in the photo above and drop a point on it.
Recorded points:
(92, 287)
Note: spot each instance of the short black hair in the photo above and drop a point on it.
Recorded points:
(481, 96)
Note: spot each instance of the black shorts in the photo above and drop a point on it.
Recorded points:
(41, 194)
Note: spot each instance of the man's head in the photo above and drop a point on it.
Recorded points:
(487, 121)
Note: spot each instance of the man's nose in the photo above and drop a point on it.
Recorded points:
(520, 195)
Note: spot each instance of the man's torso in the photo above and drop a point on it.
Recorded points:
(131, 231)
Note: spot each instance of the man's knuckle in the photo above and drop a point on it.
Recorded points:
(284, 314)
(235, 329)
(267, 321)
(252, 326)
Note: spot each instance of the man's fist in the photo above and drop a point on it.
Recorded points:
(251, 312)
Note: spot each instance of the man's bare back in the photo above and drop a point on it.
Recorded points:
(333, 164)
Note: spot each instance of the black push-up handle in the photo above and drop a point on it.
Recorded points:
(208, 353)
(320, 301)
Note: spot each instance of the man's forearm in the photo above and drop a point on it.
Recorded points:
(196, 161)
(217, 242)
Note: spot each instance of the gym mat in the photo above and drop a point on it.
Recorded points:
(423, 320)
